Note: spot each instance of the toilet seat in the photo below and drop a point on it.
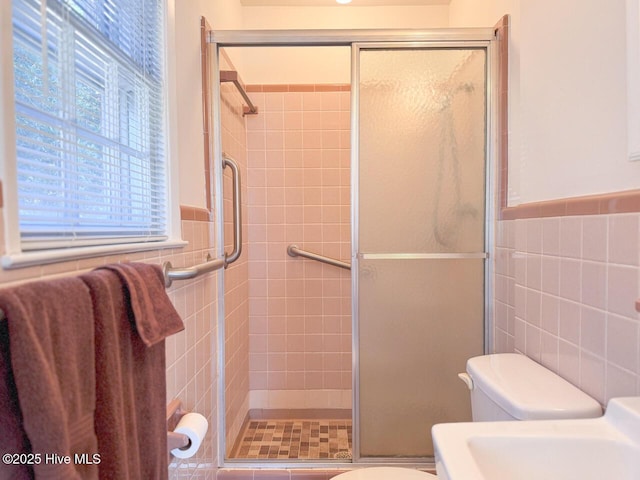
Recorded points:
(385, 473)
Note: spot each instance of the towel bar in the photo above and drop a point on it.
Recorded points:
(171, 274)
(232, 76)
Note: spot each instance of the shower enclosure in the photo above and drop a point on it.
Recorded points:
(420, 248)
(420, 191)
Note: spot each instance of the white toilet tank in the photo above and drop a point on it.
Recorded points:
(510, 386)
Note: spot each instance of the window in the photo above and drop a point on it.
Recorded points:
(89, 93)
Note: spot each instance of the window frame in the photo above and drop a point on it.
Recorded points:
(13, 254)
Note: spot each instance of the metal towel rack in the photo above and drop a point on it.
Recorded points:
(294, 251)
(171, 274)
(232, 76)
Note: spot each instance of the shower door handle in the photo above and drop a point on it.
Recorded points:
(237, 212)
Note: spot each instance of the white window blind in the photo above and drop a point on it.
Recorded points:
(90, 130)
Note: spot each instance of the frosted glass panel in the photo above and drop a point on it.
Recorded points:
(420, 320)
(422, 150)
(421, 190)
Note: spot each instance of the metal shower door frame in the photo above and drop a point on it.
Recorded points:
(356, 40)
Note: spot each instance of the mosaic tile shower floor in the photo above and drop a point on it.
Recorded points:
(295, 439)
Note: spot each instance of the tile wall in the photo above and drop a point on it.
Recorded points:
(298, 193)
(565, 292)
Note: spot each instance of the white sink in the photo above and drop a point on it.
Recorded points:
(601, 448)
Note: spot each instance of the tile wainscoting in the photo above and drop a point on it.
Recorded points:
(566, 285)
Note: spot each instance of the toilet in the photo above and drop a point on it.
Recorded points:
(504, 386)
(385, 473)
(511, 386)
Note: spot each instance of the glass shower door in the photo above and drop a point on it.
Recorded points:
(420, 241)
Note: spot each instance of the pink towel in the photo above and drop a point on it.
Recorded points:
(51, 347)
(154, 315)
(132, 311)
(13, 438)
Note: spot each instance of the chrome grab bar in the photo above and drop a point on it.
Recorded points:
(171, 274)
(294, 251)
(237, 212)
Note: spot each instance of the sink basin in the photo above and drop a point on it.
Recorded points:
(607, 447)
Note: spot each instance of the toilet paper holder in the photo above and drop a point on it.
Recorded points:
(174, 414)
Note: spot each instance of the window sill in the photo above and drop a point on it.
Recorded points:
(44, 257)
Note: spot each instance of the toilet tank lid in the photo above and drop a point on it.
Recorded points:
(527, 390)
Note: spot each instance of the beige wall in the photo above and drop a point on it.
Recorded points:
(293, 65)
(189, 106)
(567, 96)
(339, 17)
(271, 66)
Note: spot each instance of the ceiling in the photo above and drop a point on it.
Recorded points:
(332, 3)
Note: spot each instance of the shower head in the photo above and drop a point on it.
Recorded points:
(465, 87)
(448, 97)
